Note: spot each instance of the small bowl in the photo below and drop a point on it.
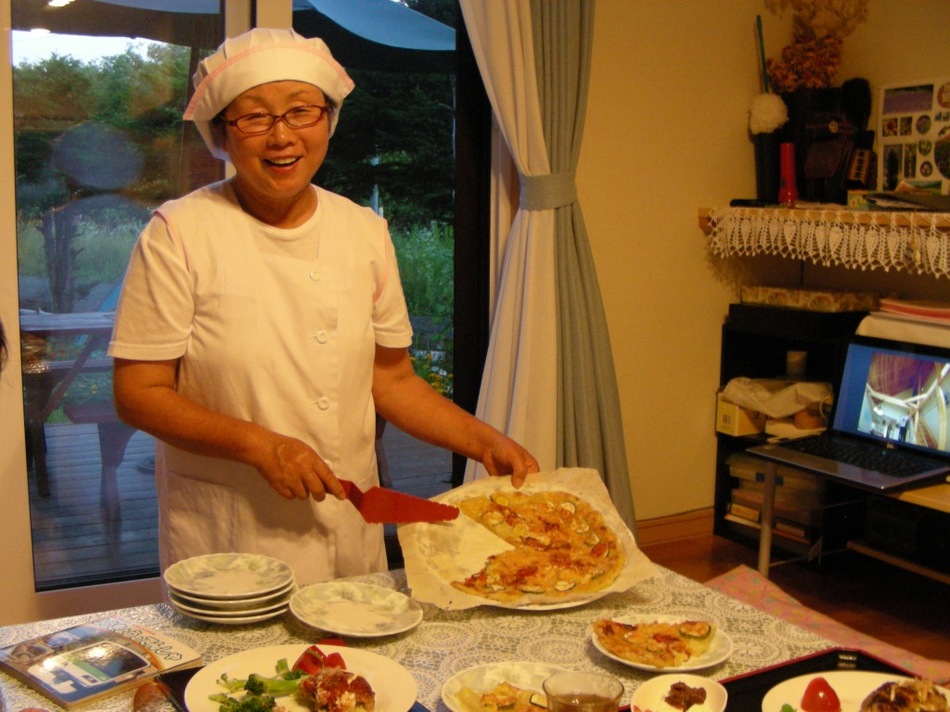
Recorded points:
(649, 696)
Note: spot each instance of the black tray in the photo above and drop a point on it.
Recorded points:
(747, 691)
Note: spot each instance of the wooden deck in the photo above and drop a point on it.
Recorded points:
(74, 545)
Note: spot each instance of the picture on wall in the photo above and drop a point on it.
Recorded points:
(914, 137)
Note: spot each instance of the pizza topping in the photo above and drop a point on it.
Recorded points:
(656, 644)
(696, 629)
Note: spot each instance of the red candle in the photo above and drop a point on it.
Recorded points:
(787, 192)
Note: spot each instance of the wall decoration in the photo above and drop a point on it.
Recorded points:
(914, 137)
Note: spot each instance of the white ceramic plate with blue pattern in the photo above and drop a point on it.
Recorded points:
(357, 609)
(228, 576)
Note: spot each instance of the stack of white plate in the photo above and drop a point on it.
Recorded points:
(232, 589)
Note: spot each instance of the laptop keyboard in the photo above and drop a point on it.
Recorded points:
(889, 462)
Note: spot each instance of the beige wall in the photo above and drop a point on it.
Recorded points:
(666, 135)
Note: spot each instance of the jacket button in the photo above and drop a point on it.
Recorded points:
(323, 403)
(322, 337)
(315, 276)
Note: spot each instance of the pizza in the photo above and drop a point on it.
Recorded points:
(561, 546)
(504, 697)
(656, 644)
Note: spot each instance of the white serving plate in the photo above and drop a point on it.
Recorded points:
(228, 576)
(483, 678)
(851, 686)
(720, 648)
(393, 684)
(356, 609)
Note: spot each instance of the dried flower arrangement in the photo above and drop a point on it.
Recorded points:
(818, 32)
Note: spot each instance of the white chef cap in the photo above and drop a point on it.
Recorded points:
(263, 55)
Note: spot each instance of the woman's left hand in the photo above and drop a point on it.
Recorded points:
(506, 457)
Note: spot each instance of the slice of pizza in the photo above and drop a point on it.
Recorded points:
(504, 697)
(655, 644)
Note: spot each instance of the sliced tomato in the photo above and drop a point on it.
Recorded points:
(313, 660)
(820, 697)
(334, 660)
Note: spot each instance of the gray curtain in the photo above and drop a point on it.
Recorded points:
(590, 429)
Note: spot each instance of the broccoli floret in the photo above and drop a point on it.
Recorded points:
(250, 703)
(261, 690)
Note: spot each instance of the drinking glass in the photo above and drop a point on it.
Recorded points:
(583, 692)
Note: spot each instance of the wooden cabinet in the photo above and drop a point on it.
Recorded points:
(755, 343)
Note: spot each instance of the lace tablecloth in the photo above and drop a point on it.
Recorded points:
(447, 642)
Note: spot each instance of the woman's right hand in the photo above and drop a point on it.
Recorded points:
(295, 471)
(146, 398)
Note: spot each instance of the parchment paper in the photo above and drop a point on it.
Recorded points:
(436, 554)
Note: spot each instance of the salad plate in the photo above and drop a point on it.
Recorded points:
(356, 609)
(484, 678)
(393, 684)
(720, 647)
(228, 576)
(851, 687)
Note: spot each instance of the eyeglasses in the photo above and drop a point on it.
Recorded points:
(300, 117)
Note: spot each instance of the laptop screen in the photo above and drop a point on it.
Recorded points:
(894, 392)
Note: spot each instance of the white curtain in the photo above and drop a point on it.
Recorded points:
(520, 379)
(549, 378)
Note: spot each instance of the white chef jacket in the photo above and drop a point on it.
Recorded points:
(278, 327)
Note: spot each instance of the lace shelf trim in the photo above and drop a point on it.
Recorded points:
(918, 243)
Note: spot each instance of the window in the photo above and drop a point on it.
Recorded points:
(98, 143)
(79, 209)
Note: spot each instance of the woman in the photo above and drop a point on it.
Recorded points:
(262, 326)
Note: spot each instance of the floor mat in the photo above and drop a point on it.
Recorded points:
(749, 586)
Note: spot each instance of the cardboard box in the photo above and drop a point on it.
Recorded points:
(735, 420)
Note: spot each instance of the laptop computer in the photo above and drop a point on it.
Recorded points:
(890, 422)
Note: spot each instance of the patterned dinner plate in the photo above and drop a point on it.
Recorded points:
(216, 605)
(484, 678)
(269, 605)
(356, 609)
(228, 576)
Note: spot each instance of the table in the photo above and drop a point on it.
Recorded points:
(447, 642)
(47, 383)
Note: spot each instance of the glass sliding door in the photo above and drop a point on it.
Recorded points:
(394, 150)
(98, 143)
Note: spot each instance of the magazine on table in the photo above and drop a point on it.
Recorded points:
(85, 662)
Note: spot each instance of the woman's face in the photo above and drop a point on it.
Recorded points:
(274, 169)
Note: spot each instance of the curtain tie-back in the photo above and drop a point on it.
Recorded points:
(548, 191)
